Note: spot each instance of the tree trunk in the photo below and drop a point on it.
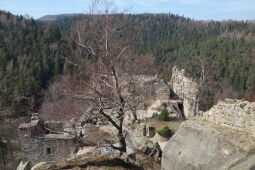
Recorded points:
(122, 141)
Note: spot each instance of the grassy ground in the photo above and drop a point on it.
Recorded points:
(172, 124)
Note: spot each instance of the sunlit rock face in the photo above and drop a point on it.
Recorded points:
(235, 114)
(221, 138)
(185, 88)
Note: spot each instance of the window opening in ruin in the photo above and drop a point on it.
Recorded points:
(48, 151)
(180, 106)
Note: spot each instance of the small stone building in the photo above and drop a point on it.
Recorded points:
(41, 144)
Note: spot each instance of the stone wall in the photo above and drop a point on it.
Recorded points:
(156, 88)
(235, 114)
(45, 149)
(55, 125)
(38, 143)
(185, 88)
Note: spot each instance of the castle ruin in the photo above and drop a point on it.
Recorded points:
(40, 143)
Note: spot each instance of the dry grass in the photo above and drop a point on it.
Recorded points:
(172, 124)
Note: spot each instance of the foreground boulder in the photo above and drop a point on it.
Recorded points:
(222, 138)
(139, 144)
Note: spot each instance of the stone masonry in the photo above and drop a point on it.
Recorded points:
(40, 144)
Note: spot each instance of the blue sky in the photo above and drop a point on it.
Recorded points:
(197, 9)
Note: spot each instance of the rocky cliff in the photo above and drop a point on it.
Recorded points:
(221, 138)
(185, 88)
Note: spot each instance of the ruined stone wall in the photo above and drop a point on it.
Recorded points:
(156, 88)
(39, 144)
(186, 89)
(235, 114)
(162, 91)
(55, 125)
(44, 149)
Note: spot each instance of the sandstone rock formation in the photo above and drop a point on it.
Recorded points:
(221, 138)
(186, 89)
(139, 144)
(236, 114)
(162, 141)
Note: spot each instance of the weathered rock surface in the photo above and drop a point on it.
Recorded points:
(186, 89)
(236, 114)
(220, 139)
(159, 138)
(41, 166)
(158, 106)
(162, 141)
(154, 110)
(139, 144)
(90, 160)
(23, 165)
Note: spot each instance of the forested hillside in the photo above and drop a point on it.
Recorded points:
(29, 56)
(32, 52)
(227, 47)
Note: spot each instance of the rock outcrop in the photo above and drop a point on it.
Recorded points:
(139, 144)
(155, 109)
(90, 160)
(221, 138)
(235, 114)
(186, 89)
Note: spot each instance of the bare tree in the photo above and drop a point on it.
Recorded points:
(104, 72)
(202, 78)
(199, 68)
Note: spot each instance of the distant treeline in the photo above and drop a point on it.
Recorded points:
(32, 52)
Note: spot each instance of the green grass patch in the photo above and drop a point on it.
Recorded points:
(165, 132)
(164, 115)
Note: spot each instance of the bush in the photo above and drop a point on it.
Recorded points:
(163, 115)
(165, 131)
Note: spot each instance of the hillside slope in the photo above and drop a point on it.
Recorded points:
(227, 48)
(31, 53)
(29, 56)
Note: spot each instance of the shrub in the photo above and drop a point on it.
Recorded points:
(163, 115)
(165, 131)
